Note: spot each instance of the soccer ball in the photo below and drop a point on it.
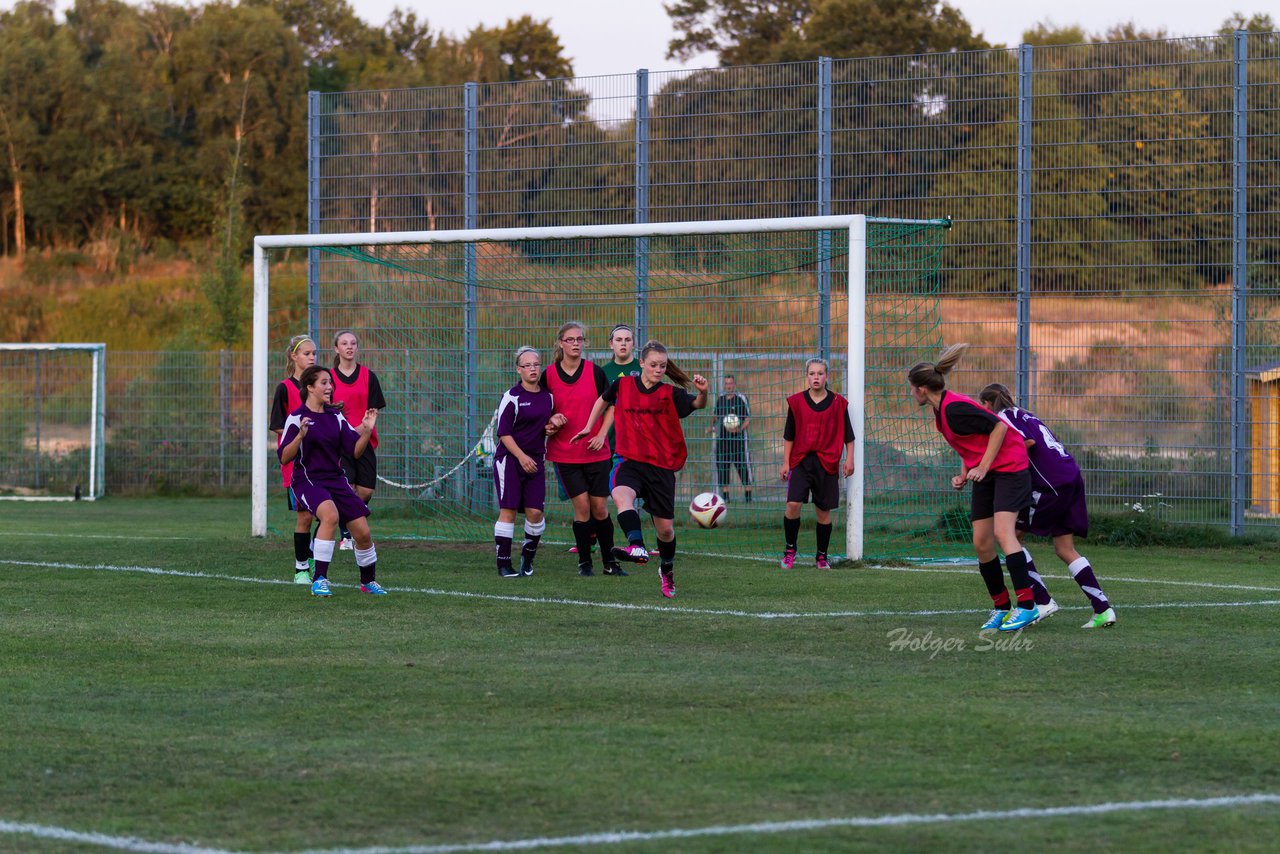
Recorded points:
(707, 509)
(731, 421)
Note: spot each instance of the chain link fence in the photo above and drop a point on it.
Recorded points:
(1116, 255)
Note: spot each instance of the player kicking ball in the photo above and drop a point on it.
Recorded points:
(645, 413)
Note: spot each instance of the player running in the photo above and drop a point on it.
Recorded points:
(355, 389)
(316, 437)
(646, 413)
(1059, 511)
(994, 459)
(519, 475)
(300, 354)
(818, 431)
(575, 384)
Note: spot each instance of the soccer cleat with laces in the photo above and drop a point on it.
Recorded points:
(821, 562)
(526, 566)
(1101, 621)
(320, 587)
(668, 583)
(788, 559)
(1047, 610)
(302, 576)
(614, 569)
(994, 619)
(586, 569)
(508, 572)
(346, 545)
(374, 588)
(1020, 618)
(632, 553)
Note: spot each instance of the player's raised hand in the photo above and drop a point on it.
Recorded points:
(370, 419)
(958, 482)
(556, 422)
(303, 426)
(700, 382)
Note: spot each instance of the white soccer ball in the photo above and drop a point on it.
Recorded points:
(731, 422)
(708, 510)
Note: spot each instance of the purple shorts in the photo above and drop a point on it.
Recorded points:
(312, 494)
(1059, 512)
(516, 488)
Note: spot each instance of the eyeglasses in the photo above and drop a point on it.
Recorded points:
(530, 365)
(578, 340)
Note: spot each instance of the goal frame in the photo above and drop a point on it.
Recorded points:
(97, 417)
(855, 386)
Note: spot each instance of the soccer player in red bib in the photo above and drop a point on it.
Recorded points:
(576, 384)
(817, 432)
(355, 389)
(300, 354)
(525, 420)
(1060, 510)
(316, 437)
(994, 459)
(646, 413)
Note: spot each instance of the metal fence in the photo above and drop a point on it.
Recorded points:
(1116, 256)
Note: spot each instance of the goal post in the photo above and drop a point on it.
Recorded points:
(55, 422)
(757, 297)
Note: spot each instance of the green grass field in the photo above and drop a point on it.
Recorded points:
(163, 688)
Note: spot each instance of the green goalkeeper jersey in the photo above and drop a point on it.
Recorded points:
(612, 370)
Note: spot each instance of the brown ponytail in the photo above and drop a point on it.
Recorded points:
(998, 396)
(677, 376)
(933, 375)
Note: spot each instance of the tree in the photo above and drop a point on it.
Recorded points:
(751, 32)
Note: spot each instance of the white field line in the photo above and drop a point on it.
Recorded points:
(102, 840)
(24, 534)
(127, 843)
(626, 606)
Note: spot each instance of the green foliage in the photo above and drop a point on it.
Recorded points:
(1135, 530)
(955, 525)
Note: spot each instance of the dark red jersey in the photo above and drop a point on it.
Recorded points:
(971, 447)
(574, 397)
(288, 398)
(823, 431)
(647, 422)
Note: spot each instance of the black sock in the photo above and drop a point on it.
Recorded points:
(791, 531)
(301, 546)
(994, 579)
(629, 522)
(344, 534)
(604, 536)
(582, 539)
(667, 552)
(824, 538)
(369, 573)
(1017, 564)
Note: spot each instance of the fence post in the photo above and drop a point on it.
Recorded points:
(642, 204)
(39, 397)
(471, 216)
(824, 206)
(1026, 64)
(224, 405)
(1239, 279)
(313, 212)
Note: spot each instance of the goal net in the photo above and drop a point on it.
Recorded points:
(440, 314)
(53, 421)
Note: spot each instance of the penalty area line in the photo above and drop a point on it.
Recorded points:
(133, 844)
(674, 610)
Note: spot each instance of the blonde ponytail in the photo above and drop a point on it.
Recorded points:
(933, 375)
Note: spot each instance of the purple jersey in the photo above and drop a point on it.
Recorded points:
(329, 438)
(523, 415)
(1051, 466)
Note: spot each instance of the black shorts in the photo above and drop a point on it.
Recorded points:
(362, 470)
(591, 478)
(1000, 492)
(810, 478)
(657, 486)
